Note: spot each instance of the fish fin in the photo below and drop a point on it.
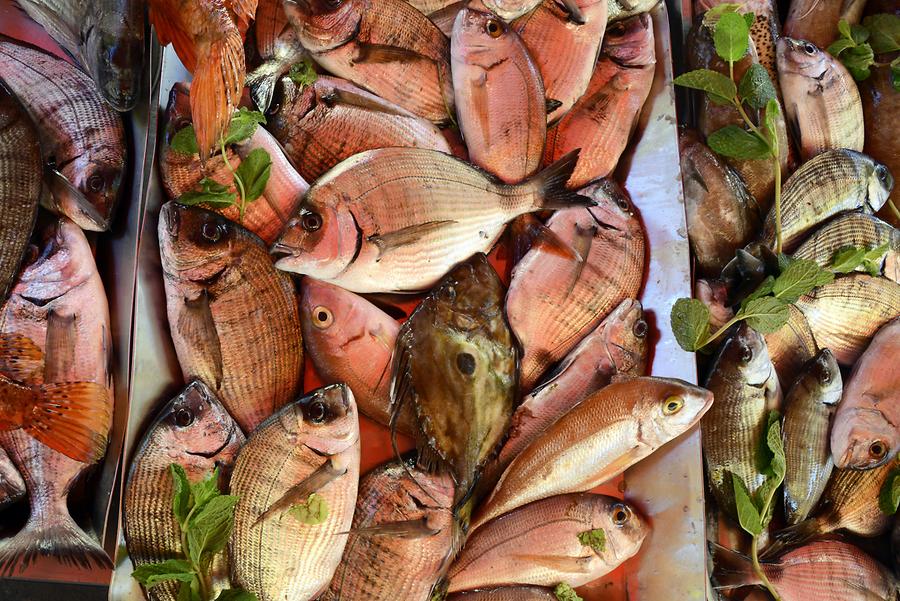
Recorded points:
(385, 53)
(299, 492)
(550, 242)
(405, 529)
(575, 14)
(558, 563)
(551, 184)
(553, 104)
(243, 12)
(72, 418)
(799, 533)
(262, 82)
(65, 199)
(195, 323)
(20, 357)
(732, 569)
(584, 239)
(216, 89)
(59, 347)
(405, 236)
(171, 31)
(50, 20)
(51, 534)
(365, 102)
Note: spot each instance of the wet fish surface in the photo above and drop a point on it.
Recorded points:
(278, 47)
(12, 487)
(817, 20)
(506, 593)
(880, 102)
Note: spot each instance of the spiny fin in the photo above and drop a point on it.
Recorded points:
(59, 347)
(369, 103)
(558, 563)
(732, 569)
(20, 357)
(243, 12)
(216, 89)
(298, 493)
(553, 104)
(551, 185)
(384, 53)
(407, 529)
(73, 418)
(196, 324)
(405, 236)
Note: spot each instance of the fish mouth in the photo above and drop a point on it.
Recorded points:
(279, 248)
(228, 440)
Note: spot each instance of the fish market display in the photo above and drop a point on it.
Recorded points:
(82, 137)
(817, 21)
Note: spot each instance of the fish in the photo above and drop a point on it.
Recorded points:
(791, 346)
(311, 446)
(21, 173)
(830, 570)
(12, 487)
(506, 593)
(551, 541)
(208, 37)
(234, 319)
(555, 299)
(597, 440)
(403, 518)
(330, 120)
(384, 46)
(499, 95)
(564, 51)
(351, 340)
(624, 9)
(854, 229)
(398, 219)
(59, 304)
(82, 137)
(746, 388)
(618, 346)
(817, 20)
(194, 431)
(714, 294)
(278, 47)
(463, 402)
(865, 433)
(833, 182)
(427, 7)
(809, 406)
(105, 37)
(722, 216)
(845, 314)
(821, 100)
(181, 173)
(880, 101)
(603, 120)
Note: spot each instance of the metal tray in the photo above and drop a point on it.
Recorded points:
(668, 487)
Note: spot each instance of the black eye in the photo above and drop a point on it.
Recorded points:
(311, 221)
(746, 354)
(623, 204)
(315, 412)
(466, 363)
(211, 231)
(620, 515)
(322, 317)
(184, 417)
(640, 328)
(493, 28)
(95, 183)
(877, 450)
(884, 176)
(809, 48)
(825, 376)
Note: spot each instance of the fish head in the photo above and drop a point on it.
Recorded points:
(326, 420)
(178, 110)
(60, 262)
(630, 42)
(746, 351)
(481, 38)
(322, 25)
(612, 205)
(879, 186)
(823, 375)
(669, 408)
(112, 44)
(624, 527)
(863, 438)
(196, 244)
(336, 317)
(320, 240)
(470, 294)
(799, 57)
(626, 335)
(290, 105)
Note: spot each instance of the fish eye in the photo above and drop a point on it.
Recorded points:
(623, 203)
(184, 417)
(621, 514)
(466, 363)
(211, 231)
(883, 174)
(640, 328)
(617, 29)
(448, 294)
(315, 412)
(493, 28)
(746, 354)
(825, 376)
(809, 48)
(877, 450)
(95, 183)
(311, 222)
(672, 405)
(322, 317)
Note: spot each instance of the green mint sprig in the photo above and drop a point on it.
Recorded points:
(595, 539)
(564, 592)
(848, 259)
(858, 44)
(313, 511)
(303, 73)
(889, 498)
(243, 125)
(205, 520)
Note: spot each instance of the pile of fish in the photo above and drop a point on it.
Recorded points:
(467, 274)
(832, 370)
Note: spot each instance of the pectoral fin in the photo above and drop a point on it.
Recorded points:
(405, 236)
(367, 103)
(383, 53)
(195, 323)
(558, 563)
(407, 529)
(59, 347)
(298, 493)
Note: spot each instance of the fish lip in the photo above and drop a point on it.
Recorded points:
(279, 248)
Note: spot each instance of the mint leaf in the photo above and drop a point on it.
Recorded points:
(303, 73)
(690, 323)
(773, 111)
(885, 32)
(764, 289)
(844, 29)
(595, 539)
(859, 34)
(731, 36)
(847, 259)
(839, 46)
(889, 498)
(766, 315)
(182, 501)
(211, 193)
(313, 512)
(748, 514)
(254, 172)
(799, 278)
(756, 87)
(236, 594)
(734, 142)
(784, 261)
(205, 490)
(774, 442)
(718, 86)
(564, 592)
(172, 569)
(188, 591)
(209, 530)
(750, 18)
(858, 61)
(243, 125)
(185, 141)
(877, 253)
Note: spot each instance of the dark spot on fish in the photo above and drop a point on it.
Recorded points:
(746, 354)
(184, 417)
(315, 412)
(640, 328)
(466, 363)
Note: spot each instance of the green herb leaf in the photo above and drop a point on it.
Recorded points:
(737, 143)
(205, 490)
(775, 444)
(885, 32)
(211, 193)
(847, 259)
(209, 530)
(564, 592)
(182, 500)
(748, 514)
(313, 512)
(859, 34)
(773, 467)
(718, 86)
(839, 46)
(243, 125)
(236, 594)
(773, 111)
(784, 261)
(895, 74)
(750, 18)
(756, 87)
(858, 61)
(185, 141)
(188, 591)
(595, 539)
(172, 569)
(254, 172)
(889, 498)
(799, 278)
(764, 289)
(844, 29)
(732, 37)
(766, 315)
(690, 323)
(303, 73)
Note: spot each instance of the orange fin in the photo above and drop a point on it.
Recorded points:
(243, 12)
(73, 418)
(171, 31)
(20, 357)
(216, 89)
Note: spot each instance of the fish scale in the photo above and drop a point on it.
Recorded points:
(506, 593)
(854, 229)
(791, 346)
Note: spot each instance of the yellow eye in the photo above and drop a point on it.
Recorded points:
(493, 28)
(673, 405)
(322, 317)
(621, 514)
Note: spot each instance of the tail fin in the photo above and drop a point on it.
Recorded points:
(263, 79)
(73, 418)
(799, 533)
(551, 184)
(733, 569)
(216, 90)
(56, 535)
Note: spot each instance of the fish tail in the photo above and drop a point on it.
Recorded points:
(551, 185)
(216, 90)
(733, 569)
(72, 418)
(55, 535)
(263, 79)
(799, 533)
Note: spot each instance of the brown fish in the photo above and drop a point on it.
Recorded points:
(602, 121)
(574, 538)
(714, 294)
(866, 430)
(385, 46)
(553, 300)
(324, 123)
(403, 519)
(499, 95)
(82, 137)
(279, 49)
(817, 20)
(58, 303)
(880, 102)
(791, 346)
(195, 431)
(310, 446)
(564, 51)
(20, 185)
(12, 487)
(506, 593)
(233, 317)
(597, 440)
